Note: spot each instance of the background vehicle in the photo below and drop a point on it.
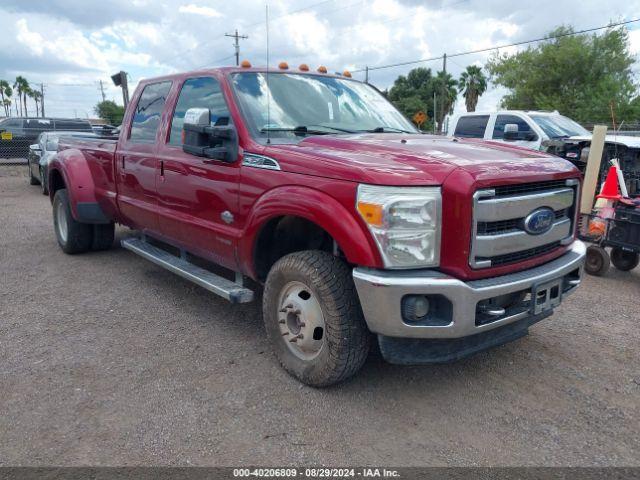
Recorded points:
(552, 133)
(352, 220)
(41, 152)
(20, 133)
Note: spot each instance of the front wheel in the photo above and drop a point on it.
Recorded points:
(32, 180)
(624, 260)
(43, 183)
(313, 318)
(72, 236)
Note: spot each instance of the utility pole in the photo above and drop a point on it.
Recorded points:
(42, 99)
(366, 74)
(236, 43)
(102, 91)
(443, 95)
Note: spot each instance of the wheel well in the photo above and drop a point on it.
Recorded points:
(56, 182)
(287, 234)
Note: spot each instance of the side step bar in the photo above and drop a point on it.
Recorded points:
(232, 291)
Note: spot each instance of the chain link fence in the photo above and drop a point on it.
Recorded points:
(627, 129)
(14, 151)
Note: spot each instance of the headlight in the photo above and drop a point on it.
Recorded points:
(405, 223)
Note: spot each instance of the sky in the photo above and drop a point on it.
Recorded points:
(70, 45)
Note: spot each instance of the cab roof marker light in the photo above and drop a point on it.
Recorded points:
(303, 67)
(322, 69)
(245, 64)
(283, 66)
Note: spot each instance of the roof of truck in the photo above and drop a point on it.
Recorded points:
(229, 70)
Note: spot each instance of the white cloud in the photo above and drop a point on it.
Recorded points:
(199, 10)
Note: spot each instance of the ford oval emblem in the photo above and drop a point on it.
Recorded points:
(539, 221)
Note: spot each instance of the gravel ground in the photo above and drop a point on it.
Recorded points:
(109, 360)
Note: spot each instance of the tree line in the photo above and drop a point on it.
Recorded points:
(587, 77)
(20, 90)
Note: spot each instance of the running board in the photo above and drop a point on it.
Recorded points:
(232, 291)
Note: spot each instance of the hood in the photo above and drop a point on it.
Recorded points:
(398, 159)
(626, 140)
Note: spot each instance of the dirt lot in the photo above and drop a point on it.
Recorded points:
(109, 360)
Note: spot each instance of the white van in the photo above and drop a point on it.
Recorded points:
(517, 127)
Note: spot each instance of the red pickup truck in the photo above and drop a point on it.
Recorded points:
(314, 188)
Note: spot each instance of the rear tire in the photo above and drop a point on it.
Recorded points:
(311, 295)
(73, 236)
(103, 235)
(624, 260)
(597, 262)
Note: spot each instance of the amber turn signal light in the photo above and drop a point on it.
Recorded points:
(371, 212)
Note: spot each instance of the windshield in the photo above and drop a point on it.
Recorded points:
(313, 104)
(559, 126)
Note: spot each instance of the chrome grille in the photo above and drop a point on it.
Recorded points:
(498, 233)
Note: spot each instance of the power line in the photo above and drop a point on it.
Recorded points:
(482, 50)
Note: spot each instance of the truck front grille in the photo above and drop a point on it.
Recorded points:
(499, 236)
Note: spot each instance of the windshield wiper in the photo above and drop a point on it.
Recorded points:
(299, 130)
(386, 130)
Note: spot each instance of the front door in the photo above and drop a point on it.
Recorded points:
(137, 162)
(527, 137)
(198, 197)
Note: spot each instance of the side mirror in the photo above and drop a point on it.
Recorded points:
(35, 147)
(203, 140)
(510, 132)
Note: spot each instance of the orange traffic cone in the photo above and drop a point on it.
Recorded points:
(610, 189)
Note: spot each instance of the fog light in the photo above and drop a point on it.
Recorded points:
(415, 308)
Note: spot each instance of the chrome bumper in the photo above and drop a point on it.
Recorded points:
(381, 293)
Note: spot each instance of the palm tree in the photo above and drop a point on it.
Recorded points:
(472, 84)
(5, 92)
(22, 86)
(36, 95)
(7, 106)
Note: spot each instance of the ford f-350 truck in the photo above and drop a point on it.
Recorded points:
(315, 189)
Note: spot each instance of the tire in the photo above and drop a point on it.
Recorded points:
(624, 260)
(326, 289)
(103, 235)
(597, 262)
(43, 183)
(32, 180)
(73, 236)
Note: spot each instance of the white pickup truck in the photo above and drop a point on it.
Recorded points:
(552, 133)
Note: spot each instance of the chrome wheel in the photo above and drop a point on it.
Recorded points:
(61, 220)
(301, 320)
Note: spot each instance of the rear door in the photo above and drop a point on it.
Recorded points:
(136, 159)
(198, 197)
(471, 126)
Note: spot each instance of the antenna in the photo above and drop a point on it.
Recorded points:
(267, 78)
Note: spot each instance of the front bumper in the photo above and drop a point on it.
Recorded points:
(381, 293)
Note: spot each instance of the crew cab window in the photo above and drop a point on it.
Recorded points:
(36, 126)
(146, 116)
(524, 129)
(204, 92)
(471, 126)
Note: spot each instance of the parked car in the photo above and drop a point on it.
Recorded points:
(18, 133)
(353, 221)
(41, 152)
(552, 133)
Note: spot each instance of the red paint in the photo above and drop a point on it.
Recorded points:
(182, 201)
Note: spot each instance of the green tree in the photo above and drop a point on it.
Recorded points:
(414, 93)
(472, 84)
(109, 111)
(581, 76)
